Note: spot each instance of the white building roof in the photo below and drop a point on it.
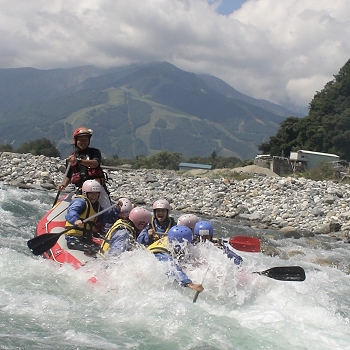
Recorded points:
(318, 153)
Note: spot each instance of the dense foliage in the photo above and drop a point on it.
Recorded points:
(325, 129)
(170, 161)
(39, 147)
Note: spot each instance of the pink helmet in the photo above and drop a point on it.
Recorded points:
(90, 186)
(140, 217)
(188, 220)
(161, 204)
(125, 208)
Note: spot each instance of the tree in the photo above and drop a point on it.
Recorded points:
(324, 129)
(6, 148)
(161, 160)
(39, 147)
(286, 139)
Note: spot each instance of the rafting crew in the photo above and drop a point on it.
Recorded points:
(123, 234)
(80, 236)
(161, 223)
(170, 248)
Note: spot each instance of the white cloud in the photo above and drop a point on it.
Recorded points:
(282, 51)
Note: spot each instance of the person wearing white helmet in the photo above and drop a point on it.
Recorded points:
(188, 220)
(161, 223)
(168, 248)
(125, 209)
(83, 206)
(124, 232)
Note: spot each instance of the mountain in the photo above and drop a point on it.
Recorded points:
(134, 110)
(227, 90)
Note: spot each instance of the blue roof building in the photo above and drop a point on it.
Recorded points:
(190, 166)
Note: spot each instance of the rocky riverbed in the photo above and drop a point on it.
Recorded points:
(295, 206)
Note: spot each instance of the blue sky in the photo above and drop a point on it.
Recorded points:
(228, 6)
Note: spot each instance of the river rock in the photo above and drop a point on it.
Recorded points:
(296, 206)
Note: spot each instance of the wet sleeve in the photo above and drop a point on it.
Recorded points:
(143, 237)
(74, 210)
(175, 270)
(119, 242)
(232, 255)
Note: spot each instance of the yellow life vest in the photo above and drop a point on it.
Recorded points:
(119, 224)
(170, 224)
(160, 246)
(86, 230)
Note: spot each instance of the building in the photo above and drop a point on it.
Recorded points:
(190, 166)
(302, 160)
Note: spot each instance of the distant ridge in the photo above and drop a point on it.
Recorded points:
(134, 110)
(227, 90)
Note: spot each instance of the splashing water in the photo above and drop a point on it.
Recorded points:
(135, 305)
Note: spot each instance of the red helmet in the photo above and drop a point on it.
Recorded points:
(81, 131)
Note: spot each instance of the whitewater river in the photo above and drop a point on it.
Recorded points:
(135, 306)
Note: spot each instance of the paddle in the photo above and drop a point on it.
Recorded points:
(245, 243)
(197, 293)
(285, 273)
(41, 244)
(59, 192)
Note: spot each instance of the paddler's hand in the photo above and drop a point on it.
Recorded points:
(61, 187)
(118, 206)
(73, 159)
(197, 287)
(78, 223)
(150, 232)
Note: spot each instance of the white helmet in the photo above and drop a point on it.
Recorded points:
(90, 186)
(161, 204)
(188, 220)
(140, 217)
(125, 208)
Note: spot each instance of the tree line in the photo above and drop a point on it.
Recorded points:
(161, 160)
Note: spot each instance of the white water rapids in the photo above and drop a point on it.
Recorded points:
(136, 306)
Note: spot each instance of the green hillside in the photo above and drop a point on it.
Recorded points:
(135, 110)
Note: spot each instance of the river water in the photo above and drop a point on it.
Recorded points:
(135, 306)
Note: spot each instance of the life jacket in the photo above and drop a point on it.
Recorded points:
(81, 173)
(86, 229)
(160, 246)
(171, 223)
(118, 225)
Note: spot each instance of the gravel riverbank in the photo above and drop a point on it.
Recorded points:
(295, 206)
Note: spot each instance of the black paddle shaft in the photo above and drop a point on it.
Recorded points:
(59, 192)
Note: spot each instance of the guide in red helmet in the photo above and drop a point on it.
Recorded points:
(84, 163)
